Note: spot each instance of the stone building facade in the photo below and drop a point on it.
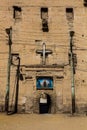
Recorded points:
(41, 36)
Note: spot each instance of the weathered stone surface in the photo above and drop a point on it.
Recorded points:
(27, 37)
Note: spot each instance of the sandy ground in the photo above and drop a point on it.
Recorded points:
(42, 122)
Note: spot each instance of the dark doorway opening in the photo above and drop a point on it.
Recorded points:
(44, 103)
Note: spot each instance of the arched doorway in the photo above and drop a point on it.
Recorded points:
(44, 103)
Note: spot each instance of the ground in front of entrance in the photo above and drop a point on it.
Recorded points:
(42, 122)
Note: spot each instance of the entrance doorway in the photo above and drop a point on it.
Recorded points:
(44, 103)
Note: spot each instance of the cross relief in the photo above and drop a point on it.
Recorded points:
(44, 53)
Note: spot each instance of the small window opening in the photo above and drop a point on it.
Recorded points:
(17, 12)
(44, 13)
(45, 25)
(69, 13)
(44, 17)
(44, 9)
(85, 3)
(69, 10)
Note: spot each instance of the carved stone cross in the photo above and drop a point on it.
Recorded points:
(44, 53)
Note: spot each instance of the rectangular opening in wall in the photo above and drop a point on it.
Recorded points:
(44, 13)
(69, 13)
(44, 82)
(44, 17)
(45, 25)
(17, 12)
(85, 3)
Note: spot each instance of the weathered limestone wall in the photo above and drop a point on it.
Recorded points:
(27, 37)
